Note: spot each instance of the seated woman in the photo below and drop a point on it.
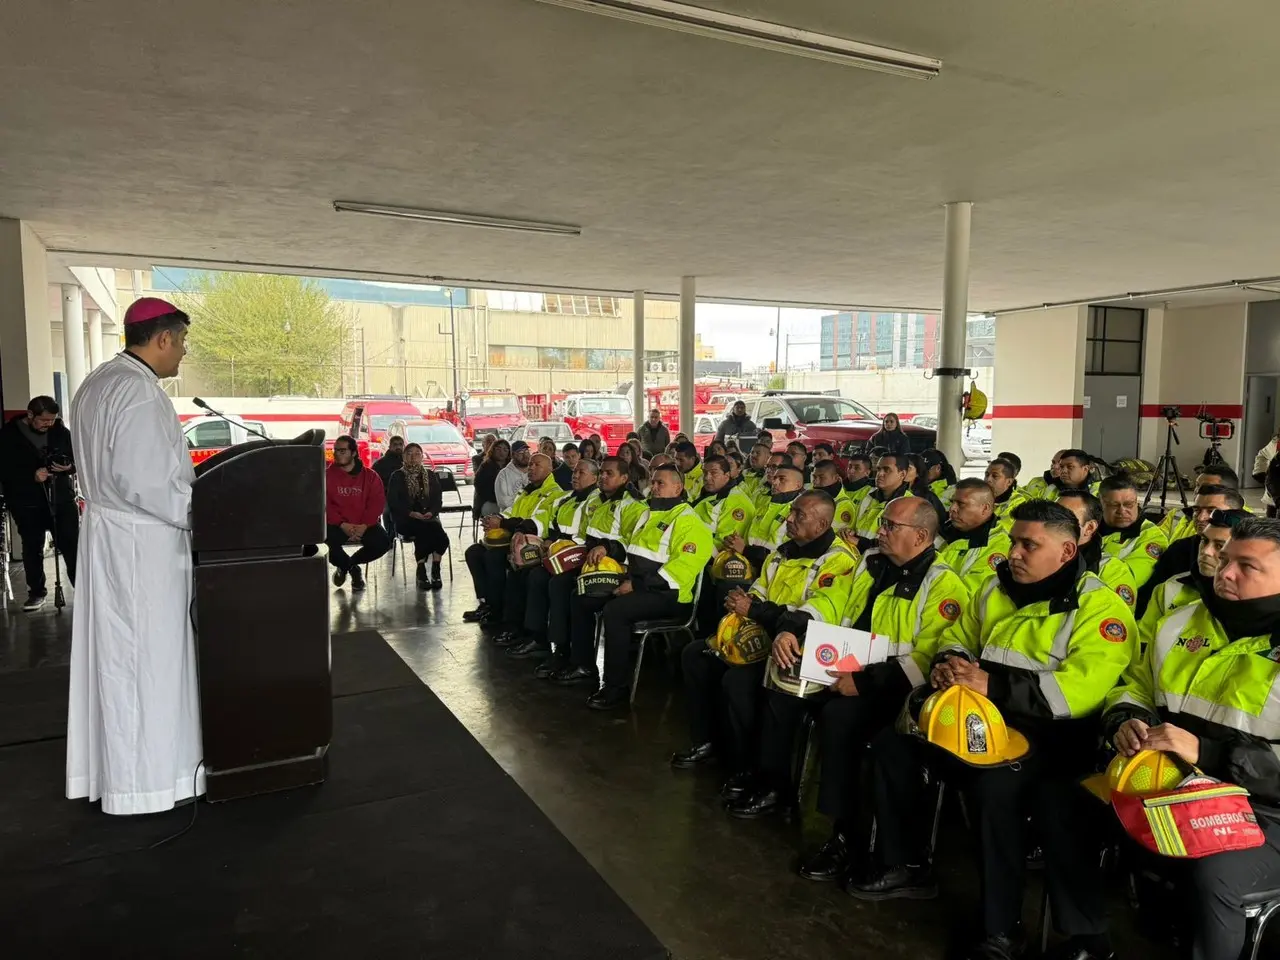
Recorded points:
(414, 497)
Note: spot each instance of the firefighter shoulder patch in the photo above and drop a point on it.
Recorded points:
(739, 515)
(826, 580)
(1125, 593)
(995, 560)
(1113, 630)
(950, 609)
(1154, 551)
(690, 547)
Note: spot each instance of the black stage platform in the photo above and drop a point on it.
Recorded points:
(419, 845)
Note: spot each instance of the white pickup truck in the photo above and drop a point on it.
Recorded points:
(205, 436)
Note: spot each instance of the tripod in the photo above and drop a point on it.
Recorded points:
(59, 598)
(1167, 467)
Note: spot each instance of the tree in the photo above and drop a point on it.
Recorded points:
(264, 334)
(777, 382)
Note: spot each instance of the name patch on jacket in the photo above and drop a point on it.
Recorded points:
(1192, 644)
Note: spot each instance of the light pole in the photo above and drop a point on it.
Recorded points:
(453, 343)
(777, 343)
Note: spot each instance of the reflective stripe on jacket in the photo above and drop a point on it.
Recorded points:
(974, 564)
(769, 526)
(568, 515)
(1140, 552)
(614, 519)
(726, 516)
(677, 542)
(528, 503)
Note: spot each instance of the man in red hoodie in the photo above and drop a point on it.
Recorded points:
(354, 500)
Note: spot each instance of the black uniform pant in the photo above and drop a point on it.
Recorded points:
(620, 614)
(1003, 796)
(488, 568)
(428, 536)
(711, 602)
(515, 597)
(546, 612)
(845, 725)
(374, 544)
(1219, 884)
(33, 522)
(723, 702)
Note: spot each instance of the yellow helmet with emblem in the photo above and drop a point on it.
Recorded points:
(968, 726)
(732, 567)
(600, 579)
(739, 641)
(1145, 773)
(497, 538)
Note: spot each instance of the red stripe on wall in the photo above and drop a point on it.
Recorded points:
(1038, 411)
(1234, 411)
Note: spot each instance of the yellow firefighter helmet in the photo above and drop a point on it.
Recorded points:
(968, 725)
(600, 579)
(732, 567)
(739, 640)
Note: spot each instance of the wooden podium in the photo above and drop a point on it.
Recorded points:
(261, 616)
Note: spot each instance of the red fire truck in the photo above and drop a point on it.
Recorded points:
(477, 412)
(607, 414)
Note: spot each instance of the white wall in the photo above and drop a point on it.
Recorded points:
(26, 362)
(1040, 369)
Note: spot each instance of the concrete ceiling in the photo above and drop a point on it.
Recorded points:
(1107, 146)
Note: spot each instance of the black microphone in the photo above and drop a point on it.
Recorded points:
(204, 406)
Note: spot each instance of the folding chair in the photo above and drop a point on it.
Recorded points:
(449, 485)
(665, 627)
(397, 546)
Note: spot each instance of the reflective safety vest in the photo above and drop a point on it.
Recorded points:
(1140, 552)
(568, 514)
(943, 491)
(1117, 575)
(693, 482)
(1053, 492)
(614, 519)
(1192, 667)
(769, 526)
(974, 562)
(528, 504)
(677, 541)
(791, 581)
(857, 496)
(750, 484)
(1078, 650)
(913, 617)
(1037, 488)
(1004, 510)
(726, 516)
(866, 523)
(1171, 595)
(846, 510)
(1175, 525)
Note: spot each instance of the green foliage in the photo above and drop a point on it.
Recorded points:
(777, 382)
(263, 334)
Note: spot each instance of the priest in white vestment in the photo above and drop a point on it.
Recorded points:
(133, 723)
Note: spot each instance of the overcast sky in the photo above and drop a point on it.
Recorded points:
(745, 333)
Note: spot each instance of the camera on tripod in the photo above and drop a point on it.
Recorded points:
(1171, 413)
(1215, 429)
(57, 458)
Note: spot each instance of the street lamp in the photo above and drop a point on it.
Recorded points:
(453, 342)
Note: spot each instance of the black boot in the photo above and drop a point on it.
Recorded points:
(609, 698)
(738, 786)
(696, 755)
(896, 883)
(422, 577)
(831, 862)
(478, 614)
(753, 806)
(436, 582)
(551, 666)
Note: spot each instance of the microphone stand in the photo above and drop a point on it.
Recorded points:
(221, 416)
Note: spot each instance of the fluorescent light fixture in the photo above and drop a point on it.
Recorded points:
(457, 219)
(687, 18)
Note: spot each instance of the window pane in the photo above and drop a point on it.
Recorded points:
(1124, 324)
(1093, 356)
(1095, 324)
(1123, 357)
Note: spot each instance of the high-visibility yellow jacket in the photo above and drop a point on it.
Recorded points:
(866, 523)
(1117, 575)
(726, 514)
(1169, 596)
(1003, 509)
(693, 482)
(862, 489)
(612, 521)
(1037, 488)
(668, 550)
(526, 514)
(1140, 551)
(750, 483)
(846, 510)
(1221, 690)
(792, 573)
(975, 554)
(1051, 659)
(943, 491)
(566, 517)
(769, 525)
(913, 614)
(1176, 524)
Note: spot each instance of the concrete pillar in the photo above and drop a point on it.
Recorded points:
(688, 301)
(93, 320)
(111, 344)
(1039, 384)
(638, 411)
(73, 337)
(955, 313)
(26, 343)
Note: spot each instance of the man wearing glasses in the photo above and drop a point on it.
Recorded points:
(1126, 534)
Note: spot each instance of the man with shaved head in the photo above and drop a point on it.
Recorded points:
(900, 591)
(972, 542)
(488, 566)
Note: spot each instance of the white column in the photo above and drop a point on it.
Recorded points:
(93, 318)
(638, 412)
(26, 343)
(955, 312)
(110, 342)
(688, 300)
(73, 337)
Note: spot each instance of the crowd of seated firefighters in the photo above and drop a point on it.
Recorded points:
(1082, 624)
(1074, 617)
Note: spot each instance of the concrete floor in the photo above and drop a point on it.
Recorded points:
(709, 887)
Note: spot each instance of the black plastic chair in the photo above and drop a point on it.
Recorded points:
(449, 485)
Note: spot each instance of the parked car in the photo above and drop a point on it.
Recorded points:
(205, 436)
(534, 431)
(813, 418)
(443, 446)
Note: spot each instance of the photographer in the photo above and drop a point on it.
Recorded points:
(36, 467)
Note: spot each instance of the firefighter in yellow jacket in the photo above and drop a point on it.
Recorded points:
(826, 477)
(722, 505)
(1112, 571)
(665, 557)
(1206, 692)
(1126, 534)
(1045, 641)
(901, 592)
(723, 698)
(891, 483)
(972, 542)
(769, 525)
